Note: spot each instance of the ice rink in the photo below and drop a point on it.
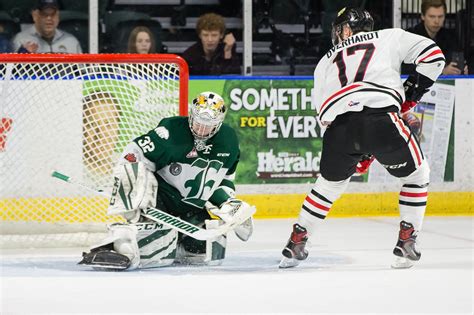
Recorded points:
(348, 271)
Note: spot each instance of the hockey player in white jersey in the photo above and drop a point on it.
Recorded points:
(359, 97)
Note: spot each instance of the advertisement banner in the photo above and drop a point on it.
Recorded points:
(431, 123)
(275, 120)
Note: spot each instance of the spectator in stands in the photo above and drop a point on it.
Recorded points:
(5, 45)
(141, 41)
(470, 61)
(215, 52)
(433, 14)
(44, 36)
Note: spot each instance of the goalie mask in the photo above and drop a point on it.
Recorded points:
(207, 112)
(358, 20)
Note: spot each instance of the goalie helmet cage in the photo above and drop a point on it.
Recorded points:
(74, 114)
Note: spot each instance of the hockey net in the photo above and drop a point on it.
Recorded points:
(74, 114)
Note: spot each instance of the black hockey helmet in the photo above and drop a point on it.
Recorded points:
(359, 20)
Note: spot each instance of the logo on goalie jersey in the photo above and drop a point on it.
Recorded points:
(192, 154)
(207, 149)
(130, 157)
(162, 132)
(175, 169)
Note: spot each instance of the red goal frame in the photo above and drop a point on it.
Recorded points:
(112, 58)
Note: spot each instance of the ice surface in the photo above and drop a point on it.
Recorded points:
(348, 271)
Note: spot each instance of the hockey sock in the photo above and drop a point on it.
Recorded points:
(412, 204)
(414, 195)
(318, 202)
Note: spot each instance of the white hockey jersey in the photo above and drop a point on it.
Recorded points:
(364, 71)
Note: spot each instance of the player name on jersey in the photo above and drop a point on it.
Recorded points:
(352, 40)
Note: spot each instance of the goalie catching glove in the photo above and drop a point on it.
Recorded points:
(135, 188)
(230, 211)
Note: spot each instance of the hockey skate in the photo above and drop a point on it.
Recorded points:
(405, 251)
(105, 259)
(294, 251)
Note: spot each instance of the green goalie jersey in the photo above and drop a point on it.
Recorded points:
(187, 178)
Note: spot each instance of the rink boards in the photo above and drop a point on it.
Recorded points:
(283, 200)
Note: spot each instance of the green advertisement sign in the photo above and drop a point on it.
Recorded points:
(279, 136)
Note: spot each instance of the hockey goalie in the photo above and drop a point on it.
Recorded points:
(184, 167)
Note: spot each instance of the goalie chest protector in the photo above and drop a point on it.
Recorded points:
(184, 172)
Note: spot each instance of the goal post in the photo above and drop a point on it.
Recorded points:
(74, 114)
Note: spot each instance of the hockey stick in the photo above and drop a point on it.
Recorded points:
(193, 230)
(71, 180)
(157, 215)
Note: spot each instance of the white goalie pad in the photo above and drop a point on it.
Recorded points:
(123, 238)
(146, 244)
(215, 249)
(135, 188)
(157, 244)
(126, 242)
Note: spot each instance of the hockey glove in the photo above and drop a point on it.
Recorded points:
(135, 188)
(236, 210)
(363, 166)
(227, 210)
(407, 105)
(416, 87)
(413, 122)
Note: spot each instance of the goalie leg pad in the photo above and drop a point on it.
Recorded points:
(211, 252)
(157, 244)
(110, 254)
(125, 243)
(215, 249)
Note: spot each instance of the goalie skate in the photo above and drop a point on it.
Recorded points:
(104, 259)
(405, 250)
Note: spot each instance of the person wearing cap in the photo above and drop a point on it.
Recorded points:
(44, 36)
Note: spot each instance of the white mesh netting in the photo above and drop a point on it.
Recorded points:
(75, 118)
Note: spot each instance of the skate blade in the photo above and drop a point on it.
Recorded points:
(401, 263)
(288, 263)
(100, 267)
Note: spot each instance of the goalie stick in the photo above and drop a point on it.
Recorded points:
(243, 213)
